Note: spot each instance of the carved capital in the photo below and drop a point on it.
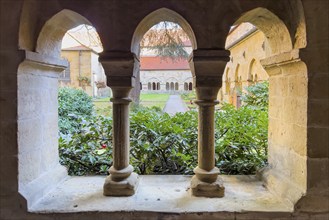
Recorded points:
(205, 62)
(119, 63)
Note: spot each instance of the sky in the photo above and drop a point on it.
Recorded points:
(82, 35)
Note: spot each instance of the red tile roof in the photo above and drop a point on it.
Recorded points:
(158, 63)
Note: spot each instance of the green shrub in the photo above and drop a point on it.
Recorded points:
(88, 150)
(256, 96)
(164, 144)
(241, 139)
(72, 105)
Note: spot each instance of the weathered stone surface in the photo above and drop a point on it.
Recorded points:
(125, 187)
(206, 189)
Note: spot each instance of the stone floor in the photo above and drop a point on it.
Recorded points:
(175, 104)
(160, 194)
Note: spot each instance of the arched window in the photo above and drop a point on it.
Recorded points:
(158, 86)
(149, 86)
(190, 86)
(185, 86)
(154, 86)
(172, 86)
(167, 86)
(176, 86)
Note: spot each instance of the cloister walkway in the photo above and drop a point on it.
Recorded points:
(175, 104)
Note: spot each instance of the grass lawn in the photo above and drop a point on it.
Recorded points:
(153, 99)
(103, 106)
(187, 98)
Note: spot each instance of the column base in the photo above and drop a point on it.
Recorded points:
(125, 187)
(205, 189)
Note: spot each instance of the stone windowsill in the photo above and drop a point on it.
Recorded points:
(164, 193)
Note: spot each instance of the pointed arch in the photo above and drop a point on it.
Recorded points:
(162, 14)
(252, 67)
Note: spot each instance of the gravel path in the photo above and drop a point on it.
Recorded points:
(175, 104)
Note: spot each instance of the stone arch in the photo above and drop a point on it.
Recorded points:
(51, 34)
(236, 73)
(276, 33)
(42, 56)
(282, 61)
(162, 14)
(251, 70)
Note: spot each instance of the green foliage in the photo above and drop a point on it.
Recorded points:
(167, 40)
(89, 149)
(241, 139)
(160, 144)
(164, 144)
(256, 96)
(73, 104)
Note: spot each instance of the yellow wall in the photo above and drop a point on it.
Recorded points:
(244, 68)
(80, 65)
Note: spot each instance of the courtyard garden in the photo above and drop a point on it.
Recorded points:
(160, 143)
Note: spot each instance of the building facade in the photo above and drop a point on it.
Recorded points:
(165, 74)
(84, 71)
(247, 46)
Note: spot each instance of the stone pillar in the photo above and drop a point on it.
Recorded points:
(207, 68)
(119, 68)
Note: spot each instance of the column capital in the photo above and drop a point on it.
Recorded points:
(118, 63)
(208, 62)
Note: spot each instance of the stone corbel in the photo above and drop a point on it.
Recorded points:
(273, 65)
(41, 61)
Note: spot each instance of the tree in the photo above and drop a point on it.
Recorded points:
(167, 39)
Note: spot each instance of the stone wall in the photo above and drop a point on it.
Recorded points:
(165, 76)
(247, 46)
(298, 138)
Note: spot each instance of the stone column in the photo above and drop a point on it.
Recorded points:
(207, 68)
(119, 68)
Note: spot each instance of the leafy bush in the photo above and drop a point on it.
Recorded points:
(72, 104)
(256, 96)
(241, 139)
(89, 149)
(164, 144)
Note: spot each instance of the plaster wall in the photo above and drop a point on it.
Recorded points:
(80, 66)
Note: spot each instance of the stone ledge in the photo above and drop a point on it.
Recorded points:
(167, 194)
